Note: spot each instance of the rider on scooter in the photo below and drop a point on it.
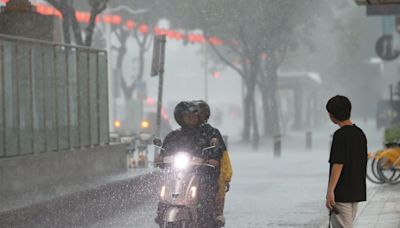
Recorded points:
(192, 138)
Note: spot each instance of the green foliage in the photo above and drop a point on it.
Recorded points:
(392, 134)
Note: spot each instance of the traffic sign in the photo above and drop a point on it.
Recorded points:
(157, 63)
(384, 48)
(157, 68)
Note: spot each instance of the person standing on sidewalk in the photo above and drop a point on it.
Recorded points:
(348, 165)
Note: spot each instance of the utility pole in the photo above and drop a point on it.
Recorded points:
(157, 68)
(391, 104)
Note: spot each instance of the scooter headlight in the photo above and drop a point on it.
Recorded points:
(193, 191)
(181, 160)
(162, 194)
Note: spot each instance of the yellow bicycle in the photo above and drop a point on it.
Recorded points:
(372, 172)
(388, 165)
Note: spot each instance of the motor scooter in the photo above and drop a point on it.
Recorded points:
(180, 204)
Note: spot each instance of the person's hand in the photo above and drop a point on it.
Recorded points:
(227, 187)
(330, 200)
(158, 160)
(213, 162)
(214, 142)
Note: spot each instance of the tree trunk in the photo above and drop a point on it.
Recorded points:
(66, 26)
(250, 114)
(62, 7)
(250, 120)
(121, 53)
(267, 124)
(141, 62)
(90, 28)
(76, 29)
(97, 8)
(256, 134)
(269, 89)
(246, 115)
(142, 51)
(273, 98)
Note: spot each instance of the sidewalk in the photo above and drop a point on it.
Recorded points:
(86, 207)
(24, 198)
(382, 209)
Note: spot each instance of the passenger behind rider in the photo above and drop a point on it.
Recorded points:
(192, 138)
(225, 175)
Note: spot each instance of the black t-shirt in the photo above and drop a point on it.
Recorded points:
(349, 147)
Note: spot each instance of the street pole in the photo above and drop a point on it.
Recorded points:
(159, 103)
(157, 68)
(391, 105)
(163, 41)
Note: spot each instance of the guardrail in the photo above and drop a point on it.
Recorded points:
(53, 97)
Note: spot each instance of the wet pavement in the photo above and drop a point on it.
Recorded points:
(382, 208)
(266, 191)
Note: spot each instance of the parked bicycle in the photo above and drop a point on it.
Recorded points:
(372, 173)
(384, 166)
(388, 165)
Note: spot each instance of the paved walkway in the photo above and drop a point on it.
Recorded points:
(382, 210)
(25, 198)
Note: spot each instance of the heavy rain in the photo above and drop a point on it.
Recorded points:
(199, 113)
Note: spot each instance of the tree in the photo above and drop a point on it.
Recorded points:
(223, 19)
(257, 35)
(143, 40)
(354, 37)
(137, 28)
(70, 22)
(288, 25)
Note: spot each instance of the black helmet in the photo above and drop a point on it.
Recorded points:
(184, 107)
(204, 110)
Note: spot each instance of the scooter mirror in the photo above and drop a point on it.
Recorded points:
(157, 142)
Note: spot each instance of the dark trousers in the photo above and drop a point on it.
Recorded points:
(208, 188)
